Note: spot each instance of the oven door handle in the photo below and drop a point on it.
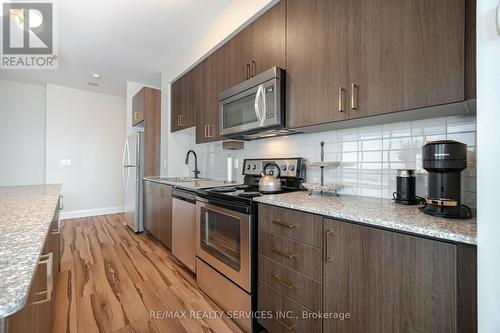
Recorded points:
(260, 97)
(227, 205)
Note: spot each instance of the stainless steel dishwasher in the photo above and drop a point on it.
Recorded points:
(184, 227)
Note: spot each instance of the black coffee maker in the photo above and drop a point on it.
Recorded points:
(445, 160)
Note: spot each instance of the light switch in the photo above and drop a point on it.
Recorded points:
(65, 161)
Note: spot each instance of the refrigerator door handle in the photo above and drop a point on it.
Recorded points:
(126, 165)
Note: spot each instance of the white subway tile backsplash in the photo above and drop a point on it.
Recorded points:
(370, 155)
(397, 143)
(428, 126)
(392, 130)
(345, 135)
(469, 138)
(461, 124)
(370, 132)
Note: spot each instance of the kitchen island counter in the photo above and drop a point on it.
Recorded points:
(26, 213)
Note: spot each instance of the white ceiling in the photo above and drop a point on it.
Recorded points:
(121, 40)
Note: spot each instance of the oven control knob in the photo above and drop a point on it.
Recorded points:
(248, 167)
(254, 167)
(283, 167)
(292, 168)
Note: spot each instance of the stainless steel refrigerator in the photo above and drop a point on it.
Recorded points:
(132, 173)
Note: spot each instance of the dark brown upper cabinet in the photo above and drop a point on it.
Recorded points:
(210, 80)
(238, 54)
(138, 108)
(146, 106)
(405, 55)
(268, 40)
(182, 101)
(316, 62)
(350, 59)
(195, 96)
(257, 48)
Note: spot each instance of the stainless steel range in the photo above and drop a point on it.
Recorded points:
(226, 237)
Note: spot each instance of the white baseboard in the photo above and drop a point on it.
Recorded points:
(91, 212)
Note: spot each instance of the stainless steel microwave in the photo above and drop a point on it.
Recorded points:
(254, 108)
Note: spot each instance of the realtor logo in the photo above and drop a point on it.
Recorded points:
(28, 35)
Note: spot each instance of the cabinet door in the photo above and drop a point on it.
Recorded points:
(405, 54)
(188, 99)
(138, 107)
(388, 282)
(176, 89)
(205, 90)
(239, 58)
(164, 215)
(220, 79)
(210, 81)
(152, 132)
(148, 206)
(316, 61)
(268, 39)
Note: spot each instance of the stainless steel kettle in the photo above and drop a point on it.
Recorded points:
(270, 183)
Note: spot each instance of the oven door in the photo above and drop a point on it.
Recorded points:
(251, 110)
(223, 240)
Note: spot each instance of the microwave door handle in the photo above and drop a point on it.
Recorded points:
(264, 106)
(258, 97)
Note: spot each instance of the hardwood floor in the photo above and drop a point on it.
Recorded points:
(113, 280)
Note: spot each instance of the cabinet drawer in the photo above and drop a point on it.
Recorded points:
(303, 227)
(285, 315)
(300, 257)
(291, 283)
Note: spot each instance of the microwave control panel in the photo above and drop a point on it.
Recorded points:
(270, 102)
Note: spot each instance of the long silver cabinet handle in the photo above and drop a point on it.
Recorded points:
(47, 260)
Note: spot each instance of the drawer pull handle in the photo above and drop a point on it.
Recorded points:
(341, 99)
(278, 251)
(327, 251)
(47, 260)
(286, 284)
(289, 327)
(283, 224)
(354, 96)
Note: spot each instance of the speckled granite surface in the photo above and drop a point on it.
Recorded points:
(196, 185)
(26, 213)
(378, 212)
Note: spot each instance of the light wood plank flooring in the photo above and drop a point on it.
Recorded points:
(111, 279)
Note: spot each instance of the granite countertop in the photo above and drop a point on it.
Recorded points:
(26, 213)
(378, 212)
(195, 185)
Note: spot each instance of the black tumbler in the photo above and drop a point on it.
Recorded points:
(405, 187)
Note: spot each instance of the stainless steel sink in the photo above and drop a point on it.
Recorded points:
(181, 179)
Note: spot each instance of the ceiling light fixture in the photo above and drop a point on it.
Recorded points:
(96, 76)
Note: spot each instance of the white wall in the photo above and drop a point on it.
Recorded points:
(488, 127)
(22, 137)
(88, 129)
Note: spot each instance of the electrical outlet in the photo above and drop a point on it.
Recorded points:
(65, 162)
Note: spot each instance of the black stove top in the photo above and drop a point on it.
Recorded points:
(292, 171)
(242, 193)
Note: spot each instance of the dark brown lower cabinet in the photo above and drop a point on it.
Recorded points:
(392, 282)
(38, 313)
(369, 279)
(158, 211)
